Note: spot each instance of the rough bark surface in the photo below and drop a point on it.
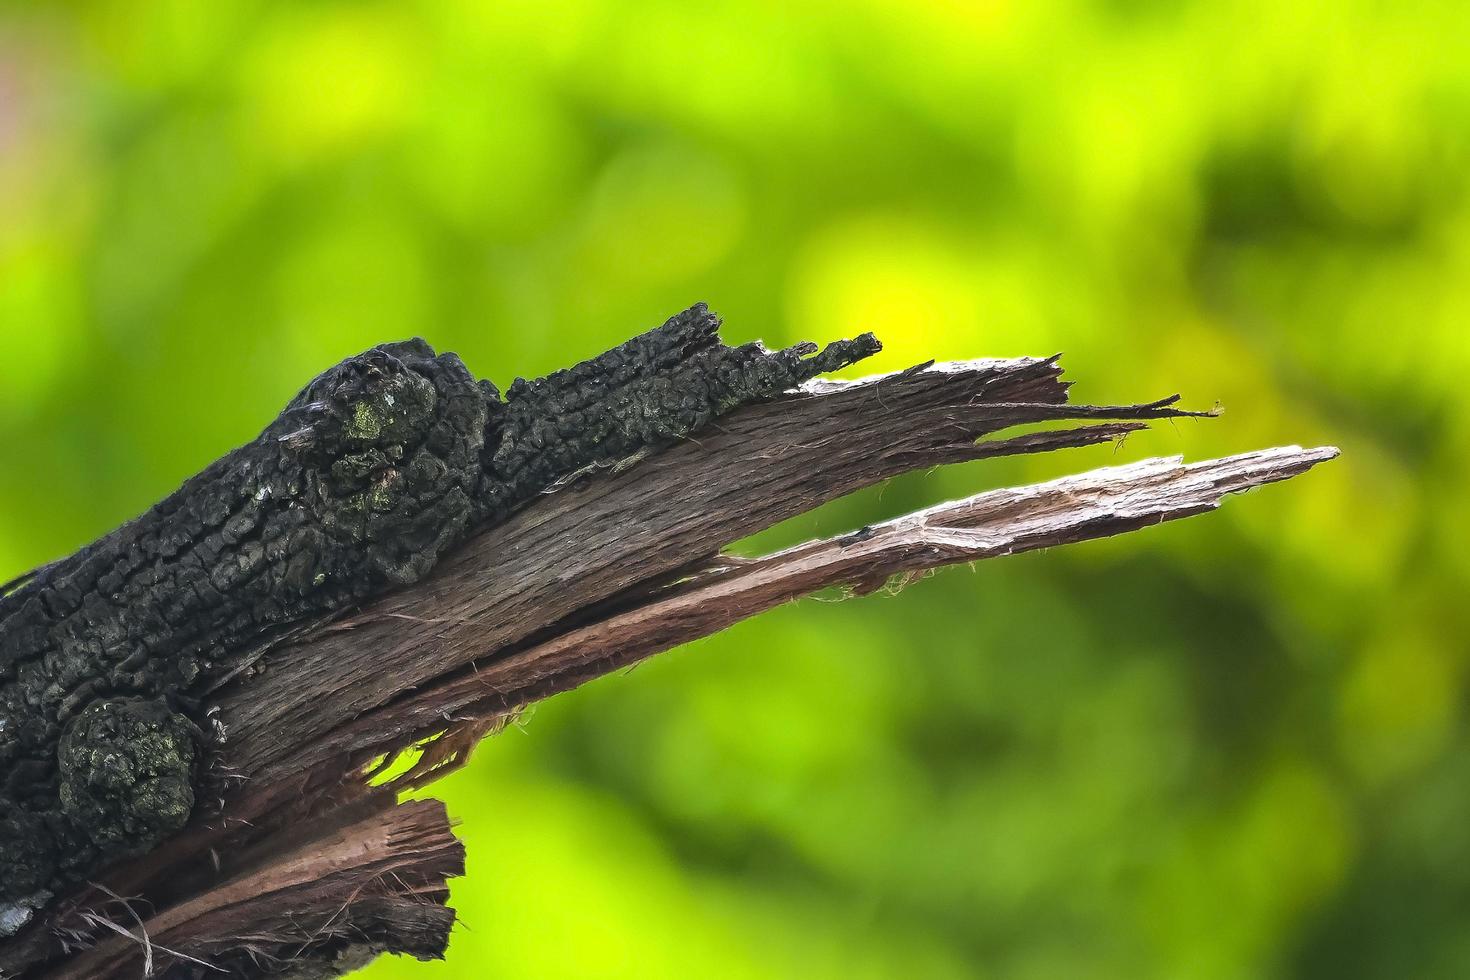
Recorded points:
(209, 686)
(369, 475)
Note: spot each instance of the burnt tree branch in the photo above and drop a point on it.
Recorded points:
(299, 864)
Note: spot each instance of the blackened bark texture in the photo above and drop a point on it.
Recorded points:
(369, 475)
(208, 685)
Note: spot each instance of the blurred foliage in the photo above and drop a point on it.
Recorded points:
(1231, 747)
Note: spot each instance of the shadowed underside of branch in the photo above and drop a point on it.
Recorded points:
(302, 867)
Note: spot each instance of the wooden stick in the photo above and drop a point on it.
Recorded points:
(301, 862)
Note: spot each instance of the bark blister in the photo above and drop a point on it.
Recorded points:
(368, 476)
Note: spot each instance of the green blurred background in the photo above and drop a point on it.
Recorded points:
(1230, 747)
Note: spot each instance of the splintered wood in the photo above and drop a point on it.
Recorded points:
(303, 864)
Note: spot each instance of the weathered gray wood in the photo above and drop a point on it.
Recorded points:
(990, 525)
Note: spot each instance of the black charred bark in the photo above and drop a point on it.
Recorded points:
(366, 478)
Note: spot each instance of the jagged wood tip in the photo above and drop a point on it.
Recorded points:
(1099, 503)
